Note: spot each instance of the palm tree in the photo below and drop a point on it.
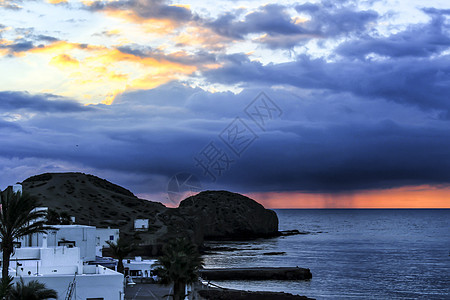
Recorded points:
(179, 265)
(6, 284)
(65, 218)
(55, 218)
(18, 218)
(33, 290)
(120, 250)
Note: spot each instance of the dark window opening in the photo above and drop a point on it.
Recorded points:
(68, 244)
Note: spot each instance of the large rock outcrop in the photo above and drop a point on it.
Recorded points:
(226, 215)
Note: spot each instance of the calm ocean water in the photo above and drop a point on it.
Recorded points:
(352, 254)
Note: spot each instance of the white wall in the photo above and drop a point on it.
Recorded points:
(84, 237)
(142, 266)
(105, 234)
(141, 224)
(60, 260)
(108, 285)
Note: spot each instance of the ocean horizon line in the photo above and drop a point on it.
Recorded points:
(358, 208)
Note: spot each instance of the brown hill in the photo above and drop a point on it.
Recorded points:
(93, 201)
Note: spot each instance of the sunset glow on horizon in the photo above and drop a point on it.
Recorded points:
(405, 197)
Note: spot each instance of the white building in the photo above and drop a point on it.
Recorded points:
(106, 234)
(139, 268)
(59, 267)
(89, 239)
(17, 188)
(141, 224)
(59, 260)
(102, 236)
(81, 236)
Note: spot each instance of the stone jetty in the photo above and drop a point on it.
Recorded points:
(283, 273)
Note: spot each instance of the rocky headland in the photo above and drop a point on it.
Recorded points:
(209, 215)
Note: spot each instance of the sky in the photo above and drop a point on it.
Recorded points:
(308, 104)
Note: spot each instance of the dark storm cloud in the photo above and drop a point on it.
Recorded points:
(326, 20)
(19, 46)
(411, 81)
(46, 38)
(13, 101)
(198, 58)
(28, 42)
(417, 40)
(151, 9)
(137, 51)
(324, 141)
(347, 157)
(8, 126)
(329, 18)
(271, 19)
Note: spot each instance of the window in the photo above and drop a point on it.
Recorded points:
(136, 273)
(68, 244)
(111, 238)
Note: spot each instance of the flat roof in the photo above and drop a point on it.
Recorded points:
(73, 226)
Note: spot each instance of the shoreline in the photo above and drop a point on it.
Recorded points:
(211, 291)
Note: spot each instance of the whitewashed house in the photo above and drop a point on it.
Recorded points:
(139, 268)
(89, 239)
(61, 268)
(102, 236)
(59, 259)
(106, 234)
(81, 236)
(141, 225)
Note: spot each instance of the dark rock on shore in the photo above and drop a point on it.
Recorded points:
(274, 253)
(282, 273)
(221, 249)
(230, 216)
(292, 232)
(227, 294)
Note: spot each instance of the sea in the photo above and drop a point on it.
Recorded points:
(352, 254)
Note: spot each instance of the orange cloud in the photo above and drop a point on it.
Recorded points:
(406, 197)
(57, 1)
(4, 51)
(203, 37)
(113, 32)
(98, 73)
(153, 25)
(64, 60)
(105, 72)
(58, 47)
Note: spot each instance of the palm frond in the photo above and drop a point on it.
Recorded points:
(179, 263)
(34, 290)
(18, 218)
